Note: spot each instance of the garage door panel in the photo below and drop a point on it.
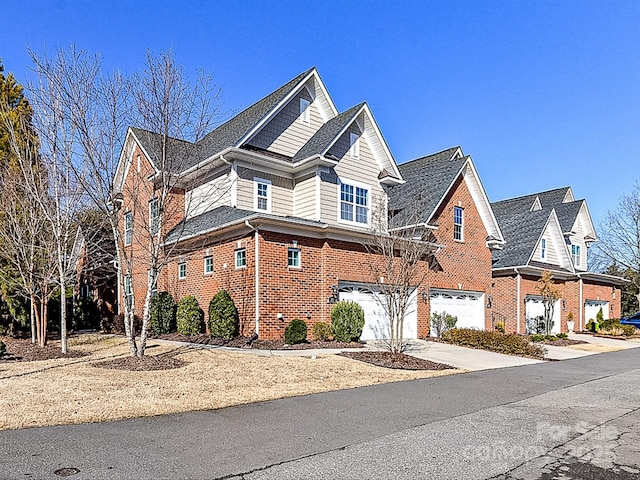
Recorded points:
(592, 307)
(467, 306)
(534, 307)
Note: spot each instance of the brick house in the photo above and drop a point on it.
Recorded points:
(549, 231)
(276, 206)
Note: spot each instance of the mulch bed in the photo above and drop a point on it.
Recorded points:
(142, 364)
(401, 361)
(562, 342)
(22, 350)
(243, 342)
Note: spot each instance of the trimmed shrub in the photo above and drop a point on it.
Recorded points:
(163, 313)
(562, 336)
(536, 338)
(295, 332)
(628, 330)
(493, 341)
(600, 317)
(223, 316)
(347, 321)
(441, 322)
(609, 324)
(591, 326)
(322, 331)
(189, 316)
(3, 348)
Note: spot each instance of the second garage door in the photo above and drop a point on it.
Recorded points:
(467, 306)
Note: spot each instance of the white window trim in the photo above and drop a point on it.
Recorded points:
(180, 275)
(461, 239)
(128, 214)
(354, 145)
(294, 249)
(235, 258)
(256, 181)
(204, 265)
(369, 194)
(576, 258)
(305, 111)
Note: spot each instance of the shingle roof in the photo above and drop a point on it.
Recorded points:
(427, 181)
(178, 151)
(231, 132)
(224, 216)
(326, 134)
(522, 227)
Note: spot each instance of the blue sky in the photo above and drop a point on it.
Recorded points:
(541, 94)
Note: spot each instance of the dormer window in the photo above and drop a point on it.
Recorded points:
(305, 111)
(543, 249)
(354, 145)
(575, 255)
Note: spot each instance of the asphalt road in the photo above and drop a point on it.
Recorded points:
(577, 418)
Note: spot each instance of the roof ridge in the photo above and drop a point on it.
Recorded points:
(432, 155)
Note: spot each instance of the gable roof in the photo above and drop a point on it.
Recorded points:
(428, 179)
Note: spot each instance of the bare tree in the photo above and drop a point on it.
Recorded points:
(619, 238)
(550, 295)
(400, 264)
(97, 109)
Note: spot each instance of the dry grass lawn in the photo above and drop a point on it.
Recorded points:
(72, 390)
(595, 347)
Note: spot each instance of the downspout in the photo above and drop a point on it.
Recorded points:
(256, 237)
(518, 278)
(581, 304)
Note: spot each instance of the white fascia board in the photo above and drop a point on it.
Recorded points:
(328, 101)
(482, 204)
(146, 154)
(558, 239)
(342, 131)
(382, 142)
(311, 162)
(204, 162)
(124, 161)
(584, 211)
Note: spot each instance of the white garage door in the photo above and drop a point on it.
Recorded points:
(467, 306)
(534, 308)
(376, 320)
(592, 307)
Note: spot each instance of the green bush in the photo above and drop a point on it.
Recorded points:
(441, 322)
(628, 330)
(322, 331)
(609, 324)
(223, 316)
(347, 320)
(3, 348)
(591, 326)
(600, 316)
(562, 336)
(499, 327)
(538, 337)
(189, 316)
(295, 332)
(163, 313)
(551, 338)
(493, 341)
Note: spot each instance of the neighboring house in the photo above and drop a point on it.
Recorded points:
(276, 204)
(549, 231)
(95, 287)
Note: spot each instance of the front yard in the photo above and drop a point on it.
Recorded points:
(74, 390)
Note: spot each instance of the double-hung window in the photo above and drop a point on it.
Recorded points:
(543, 248)
(128, 291)
(154, 216)
(354, 203)
(458, 223)
(128, 228)
(182, 270)
(262, 195)
(153, 280)
(241, 257)
(208, 264)
(575, 254)
(293, 258)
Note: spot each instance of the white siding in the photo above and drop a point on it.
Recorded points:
(212, 194)
(578, 239)
(285, 133)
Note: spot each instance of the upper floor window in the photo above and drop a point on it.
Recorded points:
(354, 203)
(128, 228)
(262, 195)
(293, 257)
(354, 145)
(305, 111)
(575, 254)
(153, 280)
(128, 291)
(208, 264)
(241, 257)
(543, 248)
(458, 223)
(154, 216)
(182, 271)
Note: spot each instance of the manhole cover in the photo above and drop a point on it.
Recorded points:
(66, 472)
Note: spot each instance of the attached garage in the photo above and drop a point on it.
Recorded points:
(534, 308)
(467, 306)
(376, 320)
(592, 307)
